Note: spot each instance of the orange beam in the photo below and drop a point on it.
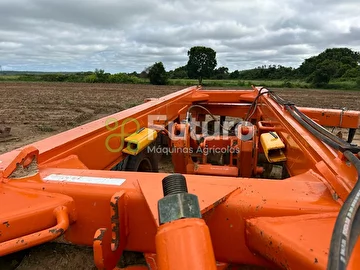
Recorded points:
(226, 199)
(86, 140)
(333, 118)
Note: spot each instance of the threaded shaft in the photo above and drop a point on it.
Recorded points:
(174, 184)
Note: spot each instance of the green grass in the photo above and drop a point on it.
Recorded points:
(344, 85)
(339, 85)
(9, 77)
(120, 78)
(242, 83)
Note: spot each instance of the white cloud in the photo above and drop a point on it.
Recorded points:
(130, 35)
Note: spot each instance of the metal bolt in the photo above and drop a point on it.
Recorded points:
(174, 184)
(177, 202)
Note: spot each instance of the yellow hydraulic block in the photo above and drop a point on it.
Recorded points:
(137, 141)
(273, 146)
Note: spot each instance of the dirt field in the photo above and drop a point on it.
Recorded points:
(38, 110)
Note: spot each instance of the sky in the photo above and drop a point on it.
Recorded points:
(127, 36)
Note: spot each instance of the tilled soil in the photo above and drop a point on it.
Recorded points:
(38, 110)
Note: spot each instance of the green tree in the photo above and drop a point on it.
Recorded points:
(342, 70)
(221, 73)
(179, 73)
(337, 61)
(157, 74)
(352, 73)
(202, 62)
(234, 75)
(101, 76)
(321, 77)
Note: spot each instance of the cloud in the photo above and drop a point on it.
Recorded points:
(126, 36)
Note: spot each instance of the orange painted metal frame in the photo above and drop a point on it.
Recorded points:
(272, 223)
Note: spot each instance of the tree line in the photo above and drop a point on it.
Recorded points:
(333, 63)
(341, 64)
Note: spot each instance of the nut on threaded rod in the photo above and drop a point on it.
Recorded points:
(177, 203)
(174, 184)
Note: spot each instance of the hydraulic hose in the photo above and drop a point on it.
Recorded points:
(347, 226)
(254, 104)
(315, 129)
(321, 129)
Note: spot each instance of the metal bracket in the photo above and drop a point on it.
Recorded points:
(109, 245)
(24, 165)
(342, 115)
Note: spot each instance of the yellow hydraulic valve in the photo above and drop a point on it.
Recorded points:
(273, 145)
(137, 141)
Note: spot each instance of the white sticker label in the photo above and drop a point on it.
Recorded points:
(85, 179)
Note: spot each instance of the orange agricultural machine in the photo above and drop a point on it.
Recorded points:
(257, 181)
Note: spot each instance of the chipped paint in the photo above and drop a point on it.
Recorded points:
(115, 223)
(57, 231)
(101, 235)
